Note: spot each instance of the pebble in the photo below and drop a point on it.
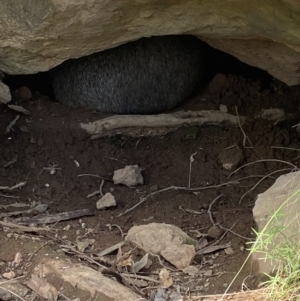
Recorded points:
(154, 188)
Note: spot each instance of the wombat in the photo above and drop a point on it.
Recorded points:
(150, 75)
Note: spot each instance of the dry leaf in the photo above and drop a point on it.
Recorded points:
(137, 266)
(165, 280)
(42, 288)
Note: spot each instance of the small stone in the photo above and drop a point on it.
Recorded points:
(231, 158)
(67, 228)
(108, 200)
(154, 188)
(22, 93)
(223, 108)
(40, 141)
(208, 273)
(215, 231)
(229, 251)
(129, 176)
(10, 275)
(5, 95)
(217, 84)
(205, 206)
(191, 270)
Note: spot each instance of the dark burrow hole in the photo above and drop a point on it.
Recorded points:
(217, 62)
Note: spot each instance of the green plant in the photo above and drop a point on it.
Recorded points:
(280, 245)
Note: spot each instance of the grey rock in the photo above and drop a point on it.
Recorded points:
(129, 176)
(108, 200)
(231, 158)
(283, 198)
(5, 95)
(166, 240)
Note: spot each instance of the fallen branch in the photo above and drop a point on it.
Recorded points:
(18, 228)
(13, 187)
(266, 176)
(245, 137)
(144, 199)
(151, 125)
(263, 160)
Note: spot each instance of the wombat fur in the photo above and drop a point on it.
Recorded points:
(150, 75)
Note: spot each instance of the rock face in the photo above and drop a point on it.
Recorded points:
(282, 198)
(36, 35)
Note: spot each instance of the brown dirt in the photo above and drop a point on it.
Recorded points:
(50, 135)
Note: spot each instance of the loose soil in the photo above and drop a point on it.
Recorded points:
(50, 136)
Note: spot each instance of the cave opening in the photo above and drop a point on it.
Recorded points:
(216, 62)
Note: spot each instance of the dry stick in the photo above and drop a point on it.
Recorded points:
(187, 189)
(218, 224)
(266, 176)
(140, 277)
(11, 292)
(10, 196)
(20, 228)
(101, 187)
(245, 139)
(191, 162)
(223, 235)
(42, 246)
(82, 255)
(120, 229)
(144, 199)
(8, 290)
(89, 175)
(287, 148)
(114, 159)
(13, 187)
(263, 160)
(234, 233)
(209, 209)
(204, 297)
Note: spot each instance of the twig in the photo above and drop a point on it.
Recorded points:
(9, 196)
(12, 161)
(13, 187)
(82, 255)
(254, 292)
(8, 290)
(230, 147)
(266, 176)
(140, 277)
(209, 209)
(138, 142)
(19, 228)
(117, 226)
(114, 159)
(190, 172)
(234, 233)
(263, 160)
(97, 191)
(287, 148)
(101, 187)
(144, 199)
(39, 248)
(89, 175)
(245, 139)
(9, 127)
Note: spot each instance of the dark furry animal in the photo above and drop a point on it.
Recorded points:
(150, 75)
